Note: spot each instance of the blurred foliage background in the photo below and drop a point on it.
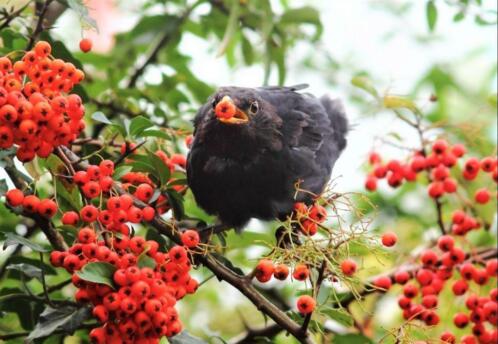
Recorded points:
(161, 59)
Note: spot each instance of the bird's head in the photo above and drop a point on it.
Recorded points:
(236, 106)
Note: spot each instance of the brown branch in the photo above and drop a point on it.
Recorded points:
(39, 24)
(223, 273)
(251, 336)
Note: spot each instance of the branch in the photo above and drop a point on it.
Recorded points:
(162, 41)
(252, 335)
(39, 25)
(61, 331)
(11, 16)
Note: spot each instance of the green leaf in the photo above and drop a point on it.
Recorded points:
(144, 261)
(303, 15)
(121, 171)
(27, 269)
(365, 84)
(161, 171)
(138, 125)
(338, 315)
(351, 339)
(185, 338)
(99, 116)
(231, 29)
(156, 133)
(431, 13)
(14, 239)
(459, 16)
(98, 272)
(66, 318)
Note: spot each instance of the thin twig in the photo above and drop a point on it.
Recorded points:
(39, 25)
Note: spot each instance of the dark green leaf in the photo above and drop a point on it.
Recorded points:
(144, 261)
(431, 13)
(351, 339)
(98, 272)
(156, 133)
(121, 171)
(13, 239)
(162, 171)
(138, 125)
(27, 269)
(67, 318)
(338, 315)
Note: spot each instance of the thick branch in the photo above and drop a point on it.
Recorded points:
(252, 335)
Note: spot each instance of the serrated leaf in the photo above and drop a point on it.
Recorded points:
(98, 272)
(138, 125)
(99, 116)
(431, 14)
(14, 239)
(185, 338)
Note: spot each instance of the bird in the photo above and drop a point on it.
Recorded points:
(257, 151)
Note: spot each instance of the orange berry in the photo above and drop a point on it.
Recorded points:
(301, 272)
(389, 239)
(85, 45)
(306, 304)
(42, 49)
(348, 267)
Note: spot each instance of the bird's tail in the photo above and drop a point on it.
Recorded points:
(338, 119)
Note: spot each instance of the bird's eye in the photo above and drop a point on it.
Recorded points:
(253, 109)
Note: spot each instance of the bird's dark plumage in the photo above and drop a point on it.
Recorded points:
(250, 170)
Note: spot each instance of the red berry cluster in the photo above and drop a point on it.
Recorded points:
(31, 203)
(421, 288)
(438, 163)
(37, 113)
(140, 307)
(309, 217)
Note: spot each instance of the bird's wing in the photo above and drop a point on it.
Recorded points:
(284, 88)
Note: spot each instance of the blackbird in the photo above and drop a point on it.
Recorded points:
(257, 151)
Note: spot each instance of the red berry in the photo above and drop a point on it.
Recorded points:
(42, 49)
(144, 192)
(306, 304)
(371, 183)
(446, 243)
(401, 277)
(281, 272)
(348, 267)
(458, 150)
(98, 336)
(89, 213)
(85, 45)
(389, 239)
(190, 238)
(31, 203)
(101, 313)
(374, 158)
(383, 282)
(424, 276)
(429, 258)
(439, 146)
(410, 290)
(460, 287)
(87, 235)
(450, 185)
(47, 208)
(70, 218)
(435, 189)
(15, 197)
(301, 272)
(492, 267)
(460, 320)
(318, 213)
(429, 301)
(482, 196)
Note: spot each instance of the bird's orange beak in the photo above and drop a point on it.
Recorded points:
(227, 112)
